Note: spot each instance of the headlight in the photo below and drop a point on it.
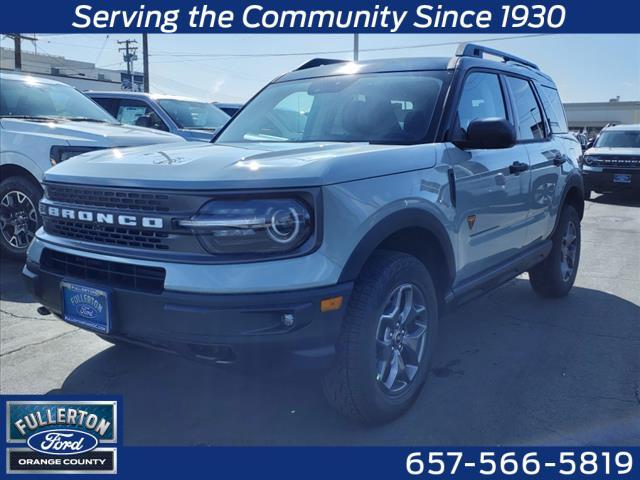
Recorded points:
(588, 159)
(61, 153)
(257, 226)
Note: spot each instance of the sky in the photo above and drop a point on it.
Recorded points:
(233, 67)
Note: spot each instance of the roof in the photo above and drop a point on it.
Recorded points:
(630, 127)
(31, 79)
(368, 66)
(153, 96)
(467, 56)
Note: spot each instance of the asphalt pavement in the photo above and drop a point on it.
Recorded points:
(510, 368)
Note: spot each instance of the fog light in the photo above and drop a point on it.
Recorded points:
(287, 319)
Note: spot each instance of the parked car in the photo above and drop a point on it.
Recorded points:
(612, 163)
(43, 123)
(405, 186)
(192, 119)
(229, 108)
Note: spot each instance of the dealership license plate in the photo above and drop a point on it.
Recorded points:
(86, 306)
(621, 178)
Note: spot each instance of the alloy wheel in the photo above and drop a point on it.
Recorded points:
(401, 339)
(18, 219)
(568, 251)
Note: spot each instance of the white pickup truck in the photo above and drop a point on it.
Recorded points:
(42, 123)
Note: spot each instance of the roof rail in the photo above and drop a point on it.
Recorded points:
(317, 62)
(478, 51)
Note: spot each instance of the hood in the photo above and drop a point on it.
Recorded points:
(90, 133)
(198, 165)
(613, 151)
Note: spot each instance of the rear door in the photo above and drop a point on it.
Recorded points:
(492, 196)
(546, 156)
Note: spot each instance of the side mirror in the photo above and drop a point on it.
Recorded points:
(156, 122)
(589, 145)
(143, 121)
(489, 133)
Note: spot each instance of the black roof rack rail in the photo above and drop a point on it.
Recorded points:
(478, 51)
(317, 62)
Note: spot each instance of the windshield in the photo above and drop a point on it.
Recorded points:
(30, 99)
(377, 108)
(194, 115)
(619, 139)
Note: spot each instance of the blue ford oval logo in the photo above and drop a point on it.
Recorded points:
(62, 442)
(86, 311)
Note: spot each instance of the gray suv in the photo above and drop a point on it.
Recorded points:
(331, 222)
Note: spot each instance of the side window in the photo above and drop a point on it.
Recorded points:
(554, 109)
(481, 98)
(130, 110)
(528, 117)
(109, 104)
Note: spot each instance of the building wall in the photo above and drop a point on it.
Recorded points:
(591, 117)
(82, 75)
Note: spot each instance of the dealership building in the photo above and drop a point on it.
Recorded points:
(591, 117)
(82, 75)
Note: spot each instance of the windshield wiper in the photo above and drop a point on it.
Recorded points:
(207, 129)
(85, 119)
(41, 118)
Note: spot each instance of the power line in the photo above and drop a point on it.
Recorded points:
(328, 52)
(104, 44)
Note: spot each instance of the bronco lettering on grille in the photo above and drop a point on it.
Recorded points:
(101, 218)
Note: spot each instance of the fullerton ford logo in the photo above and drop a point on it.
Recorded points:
(86, 305)
(100, 217)
(61, 436)
(62, 442)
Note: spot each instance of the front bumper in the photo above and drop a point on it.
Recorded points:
(601, 179)
(222, 328)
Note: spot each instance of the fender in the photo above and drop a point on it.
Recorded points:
(573, 180)
(20, 160)
(406, 218)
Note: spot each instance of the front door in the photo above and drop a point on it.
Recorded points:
(492, 185)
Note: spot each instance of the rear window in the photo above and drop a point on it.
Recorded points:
(555, 110)
(530, 125)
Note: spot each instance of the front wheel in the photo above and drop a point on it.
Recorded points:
(386, 344)
(555, 276)
(19, 217)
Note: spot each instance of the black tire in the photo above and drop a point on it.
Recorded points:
(550, 278)
(17, 195)
(354, 383)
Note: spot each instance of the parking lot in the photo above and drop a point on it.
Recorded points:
(510, 368)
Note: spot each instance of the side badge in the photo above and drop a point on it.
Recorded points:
(471, 221)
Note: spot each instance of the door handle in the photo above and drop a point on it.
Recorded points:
(559, 159)
(518, 167)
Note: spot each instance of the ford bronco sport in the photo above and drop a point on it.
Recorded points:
(332, 221)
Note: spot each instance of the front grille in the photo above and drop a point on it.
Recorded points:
(117, 275)
(109, 197)
(110, 235)
(612, 161)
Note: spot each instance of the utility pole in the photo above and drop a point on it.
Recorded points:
(356, 47)
(145, 62)
(129, 56)
(17, 48)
